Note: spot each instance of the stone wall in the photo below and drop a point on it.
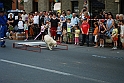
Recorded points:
(28, 6)
(80, 4)
(43, 5)
(111, 6)
(66, 4)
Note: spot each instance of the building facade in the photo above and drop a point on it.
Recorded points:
(16, 5)
(95, 6)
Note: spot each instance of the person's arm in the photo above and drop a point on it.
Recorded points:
(82, 29)
(78, 21)
(88, 29)
(107, 26)
(122, 33)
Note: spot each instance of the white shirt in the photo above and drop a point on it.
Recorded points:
(74, 21)
(122, 30)
(42, 28)
(36, 19)
(20, 25)
(24, 17)
(69, 26)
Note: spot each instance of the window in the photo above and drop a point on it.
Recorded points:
(75, 7)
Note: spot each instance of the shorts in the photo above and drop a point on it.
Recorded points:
(69, 35)
(64, 38)
(21, 30)
(115, 39)
(42, 33)
(58, 35)
(26, 31)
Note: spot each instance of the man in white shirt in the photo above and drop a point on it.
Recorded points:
(20, 25)
(74, 20)
(36, 24)
(24, 16)
(36, 18)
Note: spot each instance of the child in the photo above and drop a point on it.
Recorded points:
(10, 31)
(42, 31)
(122, 33)
(69, 31)
(115, 36)
(102, 30)
(77, 33)
(48, 28)
(85, 32)
(20, 25)
(59, 32)
(26, 30)
(95, 33)
(64, 34)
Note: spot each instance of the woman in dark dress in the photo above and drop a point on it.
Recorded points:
(102, 31)
(54, 24)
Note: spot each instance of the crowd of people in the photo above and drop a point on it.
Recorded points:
(69, 28)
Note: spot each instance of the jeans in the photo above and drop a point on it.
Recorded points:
(85, 38)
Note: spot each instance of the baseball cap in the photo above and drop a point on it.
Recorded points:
(84, 18)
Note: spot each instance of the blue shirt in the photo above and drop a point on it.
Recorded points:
(3, 20)
(74, 21)
(59, 30)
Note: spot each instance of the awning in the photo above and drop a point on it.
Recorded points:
(57, 6)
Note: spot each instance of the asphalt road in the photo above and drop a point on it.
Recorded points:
(78, 64)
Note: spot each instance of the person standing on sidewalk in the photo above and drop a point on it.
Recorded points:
(122, 33)
(115, 36)
(77, 33)
(85, 32)
(3, 28)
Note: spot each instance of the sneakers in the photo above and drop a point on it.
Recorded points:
(114, 48)
(26, 40)
(101, 46)
(3, 46)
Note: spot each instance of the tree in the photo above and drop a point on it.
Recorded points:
(7, 4)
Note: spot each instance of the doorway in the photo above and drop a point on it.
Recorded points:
(122, 6)
(35, 5)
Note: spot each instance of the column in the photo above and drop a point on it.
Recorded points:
(43, 5)
(28, 6)
(66, 4)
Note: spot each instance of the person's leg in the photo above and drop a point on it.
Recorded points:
(75, 40)
(87, 39)
(83, 39)
(123, 45)
(2, 36)
(103, 43)
(100, 42)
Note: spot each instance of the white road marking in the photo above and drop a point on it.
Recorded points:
(99, 56)
(52, 71)
(34, 67)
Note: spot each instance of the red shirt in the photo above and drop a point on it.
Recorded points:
(85, 28)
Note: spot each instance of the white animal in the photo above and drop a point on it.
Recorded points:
(50, 42)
